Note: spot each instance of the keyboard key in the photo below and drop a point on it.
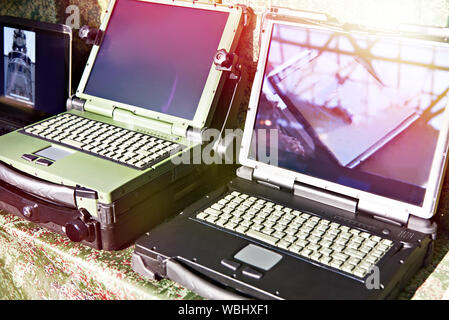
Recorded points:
(315, 256)
(212, 212)
(326, 251)
(211, 219)
(201, 215)
(365, 265)
(241, 229)
(294, 248)
(262, 236)
(221, 222)
(340, 256)
(267, 230)
(283, 244)
(302, 243)
(314, 246)
(72, 143)
(360, 272)
(279, 235)
(354, 253)
(305, 252)
(336, 263)
(347, 267)
(230, 225)
(354, 261)
(372, 259)
(325, 260)
(256, 227)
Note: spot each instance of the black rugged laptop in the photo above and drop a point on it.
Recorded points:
(343, 156)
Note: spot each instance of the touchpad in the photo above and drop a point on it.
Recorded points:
(53, 153)
(258, 257)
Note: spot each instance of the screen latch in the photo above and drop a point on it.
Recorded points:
(228, 62)
(273, 179)
(91, 35)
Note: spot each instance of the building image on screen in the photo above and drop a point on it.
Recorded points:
(354, 109)
(19, 64)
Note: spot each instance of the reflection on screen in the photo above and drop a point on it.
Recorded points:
(360, 111)
(157, 56)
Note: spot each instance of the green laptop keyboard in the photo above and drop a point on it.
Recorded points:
(117, 144)
(318, 240)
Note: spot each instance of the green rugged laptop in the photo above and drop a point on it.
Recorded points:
(102, 172)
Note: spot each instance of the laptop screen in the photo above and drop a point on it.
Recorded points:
(157, 56)
(34, 70)
(357, 110)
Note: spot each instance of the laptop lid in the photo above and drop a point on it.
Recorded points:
(156, 59)
(35, 71)
(356, 113)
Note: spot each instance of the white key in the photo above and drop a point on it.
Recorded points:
(262, 236)
(73, 143)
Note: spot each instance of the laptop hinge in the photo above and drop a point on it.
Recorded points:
(75, 103)
(245, 173)
(180, 131)
(195, 135)
(99, 107)
(387, 213)
(273, 179)
(128, 117)
(326, 197)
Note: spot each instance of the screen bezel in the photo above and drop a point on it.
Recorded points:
(211, 87)
(366, 200)
(39, 27)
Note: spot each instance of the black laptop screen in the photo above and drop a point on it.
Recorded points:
(34, 70)
(358, 110)
(157, 56)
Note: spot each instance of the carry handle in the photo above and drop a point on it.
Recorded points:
(55, 193)
(76, 223)
(183, 276)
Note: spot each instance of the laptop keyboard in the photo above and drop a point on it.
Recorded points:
(117, 144)
(315, 239)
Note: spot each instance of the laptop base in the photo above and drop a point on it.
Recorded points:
(119, 224)
(182, 241)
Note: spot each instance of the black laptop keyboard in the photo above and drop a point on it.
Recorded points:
(305, 235)
(126, 147)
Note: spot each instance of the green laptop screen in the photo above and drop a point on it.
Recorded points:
(357, 110)
(157, 56)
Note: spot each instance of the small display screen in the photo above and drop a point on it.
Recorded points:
(359, 110)
(157, 56)
(35, 67)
